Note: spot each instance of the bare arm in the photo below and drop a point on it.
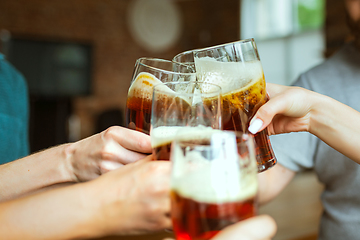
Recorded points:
(34, 172)
(120, 202)
(74, 162)
(273, 181)
(294, 109)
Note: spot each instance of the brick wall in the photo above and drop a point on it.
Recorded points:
(102, 23)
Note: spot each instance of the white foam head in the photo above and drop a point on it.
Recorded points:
(143, 85)
(163, 135)
(219, 180)
(228, 75)
(166, 134)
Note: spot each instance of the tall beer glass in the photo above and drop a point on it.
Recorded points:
(147, 73)
(186, 57)
(237, 69)
(176, 105)
(213, 182)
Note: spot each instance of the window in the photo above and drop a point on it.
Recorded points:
(264, 19)
(288, 34)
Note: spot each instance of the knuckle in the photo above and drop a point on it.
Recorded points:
(109, 132)
(141, 142)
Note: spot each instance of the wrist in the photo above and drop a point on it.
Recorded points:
(69, 154)
(320, 110)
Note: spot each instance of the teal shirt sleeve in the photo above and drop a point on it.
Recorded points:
(14, 113)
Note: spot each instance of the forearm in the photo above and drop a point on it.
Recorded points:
(64, 213)
(338, 125)
(272, 182)
(34, 172)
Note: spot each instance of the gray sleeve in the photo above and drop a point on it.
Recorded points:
(296, 151)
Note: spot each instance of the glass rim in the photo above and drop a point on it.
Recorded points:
(184, 53)
(139, 61)
(217, 91)
(223, 45)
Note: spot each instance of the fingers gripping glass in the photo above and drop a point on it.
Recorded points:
(237, 69)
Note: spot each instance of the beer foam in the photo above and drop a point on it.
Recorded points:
(213, 184)
(219, 180)
(144, 83)
(228, 75)
(166, 134)
(163, 135)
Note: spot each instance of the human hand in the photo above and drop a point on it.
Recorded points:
(288, 110)
(256, 228)
(135, 198)
(108, 150)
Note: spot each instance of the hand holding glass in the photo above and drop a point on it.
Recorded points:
(237, 69)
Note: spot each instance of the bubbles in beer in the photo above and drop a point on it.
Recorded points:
(143, 85)
(208, 187)
(138, 104)
(229, 76)
(165, 134)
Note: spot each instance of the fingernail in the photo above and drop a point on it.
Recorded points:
(110, 165)
(255, 126)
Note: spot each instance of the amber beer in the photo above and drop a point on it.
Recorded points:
(211, 194)
(162, 136)
(161, 139)
(238, 109)
(243, 93)
(179, 106)
(195, 220)
(213, 182)
(138, 104)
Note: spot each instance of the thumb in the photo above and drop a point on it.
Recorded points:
(256, 228)
(266, 113)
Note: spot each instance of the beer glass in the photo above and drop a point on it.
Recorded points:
(186, 57)
(147, 73)
(213, 182)
(237, 69)
(176, 105)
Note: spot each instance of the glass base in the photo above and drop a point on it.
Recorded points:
(269, 164)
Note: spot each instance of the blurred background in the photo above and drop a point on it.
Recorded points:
(78, 57)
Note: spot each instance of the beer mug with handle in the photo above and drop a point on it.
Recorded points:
(182, 105)
(147, 73)
(213, 182)
(237, 69)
